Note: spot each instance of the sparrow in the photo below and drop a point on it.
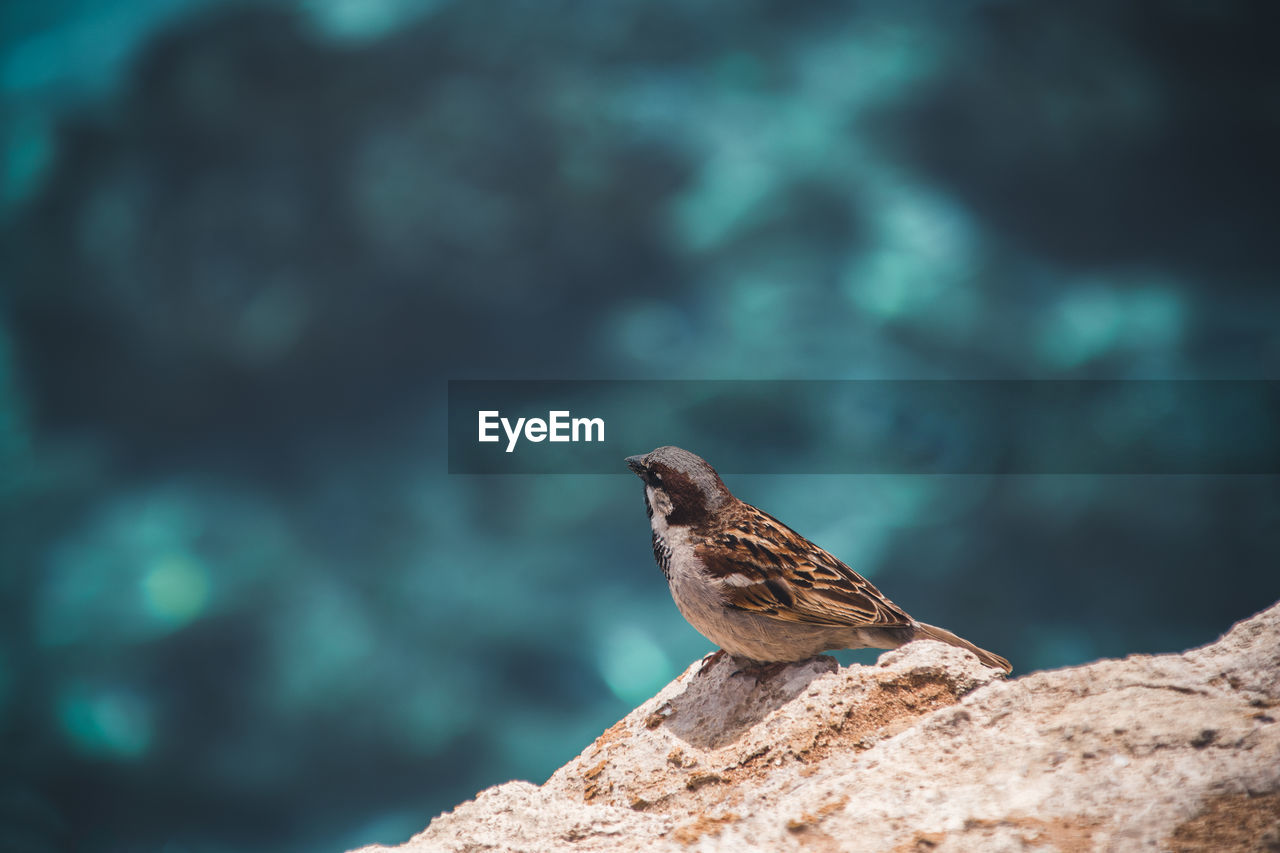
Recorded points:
(753, 586)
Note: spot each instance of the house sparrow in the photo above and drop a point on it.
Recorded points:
(755, 587)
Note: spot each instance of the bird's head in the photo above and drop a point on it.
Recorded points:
(679, 486)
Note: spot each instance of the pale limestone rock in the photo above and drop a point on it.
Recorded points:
(927, 751)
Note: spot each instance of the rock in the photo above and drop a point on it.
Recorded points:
(928, 750)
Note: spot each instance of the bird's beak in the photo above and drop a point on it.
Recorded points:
(636, 464)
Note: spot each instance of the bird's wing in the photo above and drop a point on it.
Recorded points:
(763, 566)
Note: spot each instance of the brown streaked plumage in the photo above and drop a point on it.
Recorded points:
(755, 587)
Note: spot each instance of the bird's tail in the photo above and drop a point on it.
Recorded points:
(933, 632)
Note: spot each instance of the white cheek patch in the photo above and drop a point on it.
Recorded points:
(676, 538)
(661, 503)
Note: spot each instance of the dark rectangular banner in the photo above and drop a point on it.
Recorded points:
(869, 426)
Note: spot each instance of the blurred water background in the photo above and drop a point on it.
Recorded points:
(244, 246)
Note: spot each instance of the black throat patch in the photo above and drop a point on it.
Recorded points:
(662, 554)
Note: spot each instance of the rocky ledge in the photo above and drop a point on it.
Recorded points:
(926, 751)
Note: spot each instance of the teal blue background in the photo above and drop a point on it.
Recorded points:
(244, 248)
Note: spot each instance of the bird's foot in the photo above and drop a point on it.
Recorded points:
(711, 660)
(760, 672)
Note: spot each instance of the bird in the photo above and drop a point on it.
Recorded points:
(753, 586)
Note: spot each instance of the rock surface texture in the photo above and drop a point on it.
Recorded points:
(927, 751)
